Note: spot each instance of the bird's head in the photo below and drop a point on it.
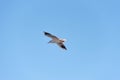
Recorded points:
(63, 40)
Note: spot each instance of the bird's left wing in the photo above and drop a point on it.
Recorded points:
(62, 45)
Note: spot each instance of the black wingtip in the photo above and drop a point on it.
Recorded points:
(65, 48)
(62, 46)
(45, 33)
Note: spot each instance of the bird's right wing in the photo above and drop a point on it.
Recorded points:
(50, 35)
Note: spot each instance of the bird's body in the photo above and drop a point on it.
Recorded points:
(56, 40)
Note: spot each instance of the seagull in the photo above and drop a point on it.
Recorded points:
(56, 40)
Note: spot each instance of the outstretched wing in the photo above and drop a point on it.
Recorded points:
(62, 45)
(50, 35)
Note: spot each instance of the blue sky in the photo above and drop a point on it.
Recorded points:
(92, 30)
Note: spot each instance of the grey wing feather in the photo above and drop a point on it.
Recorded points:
(62, 45)
(50, 35)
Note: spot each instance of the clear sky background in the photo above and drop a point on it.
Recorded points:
(92, 30)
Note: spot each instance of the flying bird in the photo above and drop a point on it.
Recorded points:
(56, 40)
